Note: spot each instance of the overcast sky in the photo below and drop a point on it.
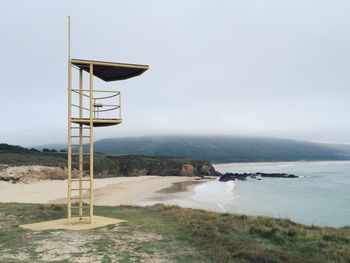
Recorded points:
(257, 68)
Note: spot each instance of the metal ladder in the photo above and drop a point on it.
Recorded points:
(81, 184)
(79, 189)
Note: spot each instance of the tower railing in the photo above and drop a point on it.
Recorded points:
(106, 104)
(93, 108)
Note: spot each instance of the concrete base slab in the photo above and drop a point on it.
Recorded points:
(76, 223)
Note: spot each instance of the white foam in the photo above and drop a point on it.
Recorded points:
(231, 185)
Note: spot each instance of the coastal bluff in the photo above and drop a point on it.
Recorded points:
(130, 165)
(18, 164)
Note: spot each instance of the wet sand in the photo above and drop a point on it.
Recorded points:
(178, 193)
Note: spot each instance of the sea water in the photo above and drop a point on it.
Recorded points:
(320, 196)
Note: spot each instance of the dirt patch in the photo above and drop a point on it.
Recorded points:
(154, 258)
(60, 245)
(113, 244)
(14, 257)
(121, 241)
(85, 259)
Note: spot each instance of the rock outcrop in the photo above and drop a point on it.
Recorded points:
(31, 173)
(243, 176)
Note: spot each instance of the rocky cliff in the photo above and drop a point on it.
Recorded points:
(107, 166)
(25, 166)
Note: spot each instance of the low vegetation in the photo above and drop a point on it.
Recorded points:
(168, 234)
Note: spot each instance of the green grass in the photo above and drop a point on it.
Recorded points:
(168, 234)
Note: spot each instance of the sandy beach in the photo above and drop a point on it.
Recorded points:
(108, 191)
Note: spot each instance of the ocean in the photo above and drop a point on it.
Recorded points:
(321, 196)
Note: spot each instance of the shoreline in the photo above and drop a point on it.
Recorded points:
(176, 194)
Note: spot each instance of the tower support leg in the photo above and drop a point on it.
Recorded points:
(69, 152)
(80, 144)
(91, 145)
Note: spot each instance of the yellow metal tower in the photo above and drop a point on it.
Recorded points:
(88, 108)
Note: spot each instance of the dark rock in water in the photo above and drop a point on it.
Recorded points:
(218, 174)
(277, 175)
(243, 176)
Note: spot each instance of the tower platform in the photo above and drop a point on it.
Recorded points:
(97, 122)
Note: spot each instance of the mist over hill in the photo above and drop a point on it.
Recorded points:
(221, 149)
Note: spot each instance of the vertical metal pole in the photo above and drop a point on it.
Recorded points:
(91, 144)
(120, 105)
(80, 144)
(69, 204)
(94, 109)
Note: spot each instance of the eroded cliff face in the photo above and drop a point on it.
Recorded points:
(197, 170)
(187, 170)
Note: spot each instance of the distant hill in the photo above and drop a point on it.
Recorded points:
(221, 149)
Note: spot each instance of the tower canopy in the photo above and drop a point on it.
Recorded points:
(110, 71)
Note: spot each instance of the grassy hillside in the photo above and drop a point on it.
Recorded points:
(224, 149)
(17, 155)
(109, 165)
(168, 234)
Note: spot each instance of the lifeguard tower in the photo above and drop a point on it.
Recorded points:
(89, 107)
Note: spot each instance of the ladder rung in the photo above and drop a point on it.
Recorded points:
(85, 180)
(81, 153)
(84, 206)
(77, 136)
(77, 189)
(77, 180)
